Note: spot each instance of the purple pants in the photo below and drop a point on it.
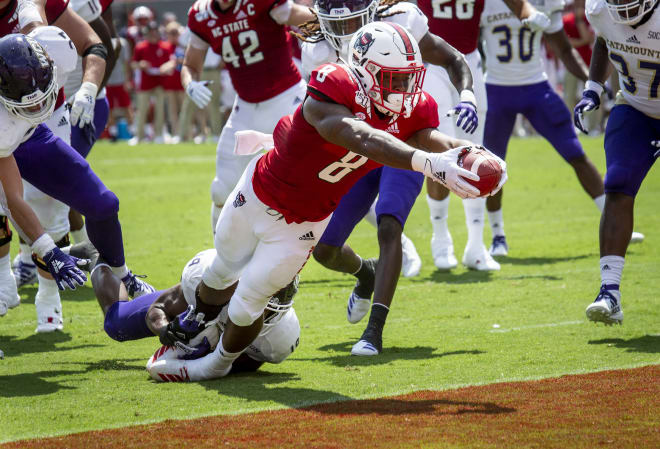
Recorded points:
(628, 150)
(127, 320)
(397, 191)
(52, 166)
(541, 105)
(83, 139)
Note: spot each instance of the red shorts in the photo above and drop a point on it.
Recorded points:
(118, 97)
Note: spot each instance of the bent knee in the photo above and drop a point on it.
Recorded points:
(325, 254)
(389, 229)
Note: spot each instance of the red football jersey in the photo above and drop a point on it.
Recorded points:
(105, 4)
(305, 176)
(455, 21)
(157, 55)
(253, 46)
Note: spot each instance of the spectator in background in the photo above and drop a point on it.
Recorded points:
(581, 38)
(117, 88)
(168, 17)
(149, 58)
(174, 93)
(139, 18)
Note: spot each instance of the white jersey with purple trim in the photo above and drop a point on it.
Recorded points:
(406, 14)
(634, 53)
(513, 51)
(61, 50)
(274, 343)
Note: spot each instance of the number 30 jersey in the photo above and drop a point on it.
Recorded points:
(252, 44)
(305, 176)
(634, 53)
(513, 51)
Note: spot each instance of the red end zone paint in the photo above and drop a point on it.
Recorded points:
(617, 409)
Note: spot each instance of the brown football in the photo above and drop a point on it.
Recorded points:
(483, 164)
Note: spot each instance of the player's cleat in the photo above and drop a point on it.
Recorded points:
(499, 246)
(606, 308)
(175, 370)
(411, 263)
(25, 273)
(371, 343)
(135, 286)
(49, 317)
(359, 302)
(636, 237)
(442, 251)
(479, 259)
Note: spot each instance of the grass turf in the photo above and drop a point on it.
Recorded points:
(445, 329)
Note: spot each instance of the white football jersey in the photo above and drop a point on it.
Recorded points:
(513, 51)
(406, 14)
(274, 344)
(635, 53)
(89, 10)
(61, 50)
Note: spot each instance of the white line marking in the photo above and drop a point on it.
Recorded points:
(536, 326)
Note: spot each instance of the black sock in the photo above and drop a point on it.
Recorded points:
(377, 317)
(366, 277)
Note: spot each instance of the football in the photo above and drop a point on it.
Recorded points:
(482, 163)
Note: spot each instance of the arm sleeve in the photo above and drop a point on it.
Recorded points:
(197, 42)
(556, 23)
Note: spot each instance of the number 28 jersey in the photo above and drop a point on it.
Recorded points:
(513, 51)
(305, 176)
(252, 44)
(456, 21)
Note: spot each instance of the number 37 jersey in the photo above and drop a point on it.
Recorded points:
(305, 176)
(252, 44)
(634, 53)
(513, 51)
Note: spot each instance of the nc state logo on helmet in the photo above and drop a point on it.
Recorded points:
(387, 62)
(27, 79)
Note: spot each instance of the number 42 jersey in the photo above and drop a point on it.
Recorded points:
(305, 176)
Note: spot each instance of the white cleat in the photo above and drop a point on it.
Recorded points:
(499, 246)
(479, 259)
(357, 308)
(49, 317)
(411, 263)
(442, 251)
(364, 348)
(606, 308)
(636, 237)
(175, 370)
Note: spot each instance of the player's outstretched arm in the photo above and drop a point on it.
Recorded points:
(599, 71)
(567, 54)
(433, 141)
(528, 15)
(164, 309)
(336, 124)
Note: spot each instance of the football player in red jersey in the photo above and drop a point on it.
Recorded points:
(457, 22)
(251, 37)
(284, 200)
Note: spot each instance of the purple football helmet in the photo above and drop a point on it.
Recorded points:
(340, 19)
(27, 79)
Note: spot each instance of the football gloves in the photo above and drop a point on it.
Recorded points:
(65, 269)
(443, 168)
(590, 102)
(467, 116)
(199, 93)
(82, 107)
(183, 328)
(537, 21)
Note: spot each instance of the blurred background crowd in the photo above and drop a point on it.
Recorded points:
(148, 103)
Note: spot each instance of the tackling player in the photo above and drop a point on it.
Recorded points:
(252, 39)
(169, 315)
(628, 33)
(285, 197)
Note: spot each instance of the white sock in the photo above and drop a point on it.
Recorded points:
(215, 215)
(80, 235)
(496, 222)
(48, 292)
(600, 202)
(371, 217)
(120, 272)
(26, 253)
(5, 267)
(224, 358)
(474, 219)
(439, 210)
(611, 268)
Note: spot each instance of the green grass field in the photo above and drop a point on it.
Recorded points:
(444, 330)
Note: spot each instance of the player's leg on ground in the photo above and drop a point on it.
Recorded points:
(9, 297)
(333, 253)
(45, 161)
(629, 157)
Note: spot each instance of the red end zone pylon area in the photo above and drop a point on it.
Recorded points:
(618, 409)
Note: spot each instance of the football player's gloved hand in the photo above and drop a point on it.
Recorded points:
(467, 116)
(65, 269)
(443, 168)
(199, 93)
(537, 21)
(194, 352)
(590, 102)
(184, 327)
(82, 107)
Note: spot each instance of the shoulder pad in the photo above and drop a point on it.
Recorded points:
(594, 7)
(89, 10)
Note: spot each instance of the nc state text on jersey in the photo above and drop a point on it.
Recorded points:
(232, 27)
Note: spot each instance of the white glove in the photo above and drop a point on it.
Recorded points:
(82, 107)
(443, 168)
(199, 93)
(537, 21)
